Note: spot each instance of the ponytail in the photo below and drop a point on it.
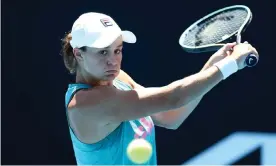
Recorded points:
(69, 59)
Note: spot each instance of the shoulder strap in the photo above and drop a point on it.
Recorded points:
(73, 89)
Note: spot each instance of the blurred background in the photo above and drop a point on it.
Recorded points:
(233, 124)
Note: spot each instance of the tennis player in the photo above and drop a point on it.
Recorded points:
(106, 108)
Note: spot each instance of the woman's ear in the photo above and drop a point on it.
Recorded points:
(77, 53)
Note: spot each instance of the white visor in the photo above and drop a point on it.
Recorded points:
(98, 31)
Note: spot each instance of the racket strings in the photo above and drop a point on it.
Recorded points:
(216, 28)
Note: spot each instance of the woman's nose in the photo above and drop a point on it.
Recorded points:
(112, 60)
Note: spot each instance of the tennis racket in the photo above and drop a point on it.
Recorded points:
(211, 32)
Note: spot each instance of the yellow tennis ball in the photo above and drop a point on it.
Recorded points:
(139, 151)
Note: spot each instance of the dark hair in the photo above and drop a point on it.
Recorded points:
(69, 59)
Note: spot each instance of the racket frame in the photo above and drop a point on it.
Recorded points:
(221, 43)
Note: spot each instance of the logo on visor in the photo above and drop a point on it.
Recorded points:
(106, 22)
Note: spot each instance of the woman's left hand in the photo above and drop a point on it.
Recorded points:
(223, 52)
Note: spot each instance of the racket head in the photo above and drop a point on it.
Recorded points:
(211, 32)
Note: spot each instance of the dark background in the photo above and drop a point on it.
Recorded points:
(34, 79)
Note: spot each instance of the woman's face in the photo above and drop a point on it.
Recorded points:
(103, 64)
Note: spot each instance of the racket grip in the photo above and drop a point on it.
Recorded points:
(251, 60)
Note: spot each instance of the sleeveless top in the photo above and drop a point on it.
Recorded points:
(112, 149)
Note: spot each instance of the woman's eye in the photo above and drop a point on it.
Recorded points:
(118, 51)
(103, 52)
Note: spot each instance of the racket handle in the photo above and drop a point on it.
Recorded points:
(251, 60)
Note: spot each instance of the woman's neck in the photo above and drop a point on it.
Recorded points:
(85, 78)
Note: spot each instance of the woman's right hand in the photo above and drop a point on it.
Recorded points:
(241, 51)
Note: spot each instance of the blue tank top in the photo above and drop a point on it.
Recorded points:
(112, 149)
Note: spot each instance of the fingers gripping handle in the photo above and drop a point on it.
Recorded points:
(251, 60)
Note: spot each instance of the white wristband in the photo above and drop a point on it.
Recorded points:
(227, 66)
